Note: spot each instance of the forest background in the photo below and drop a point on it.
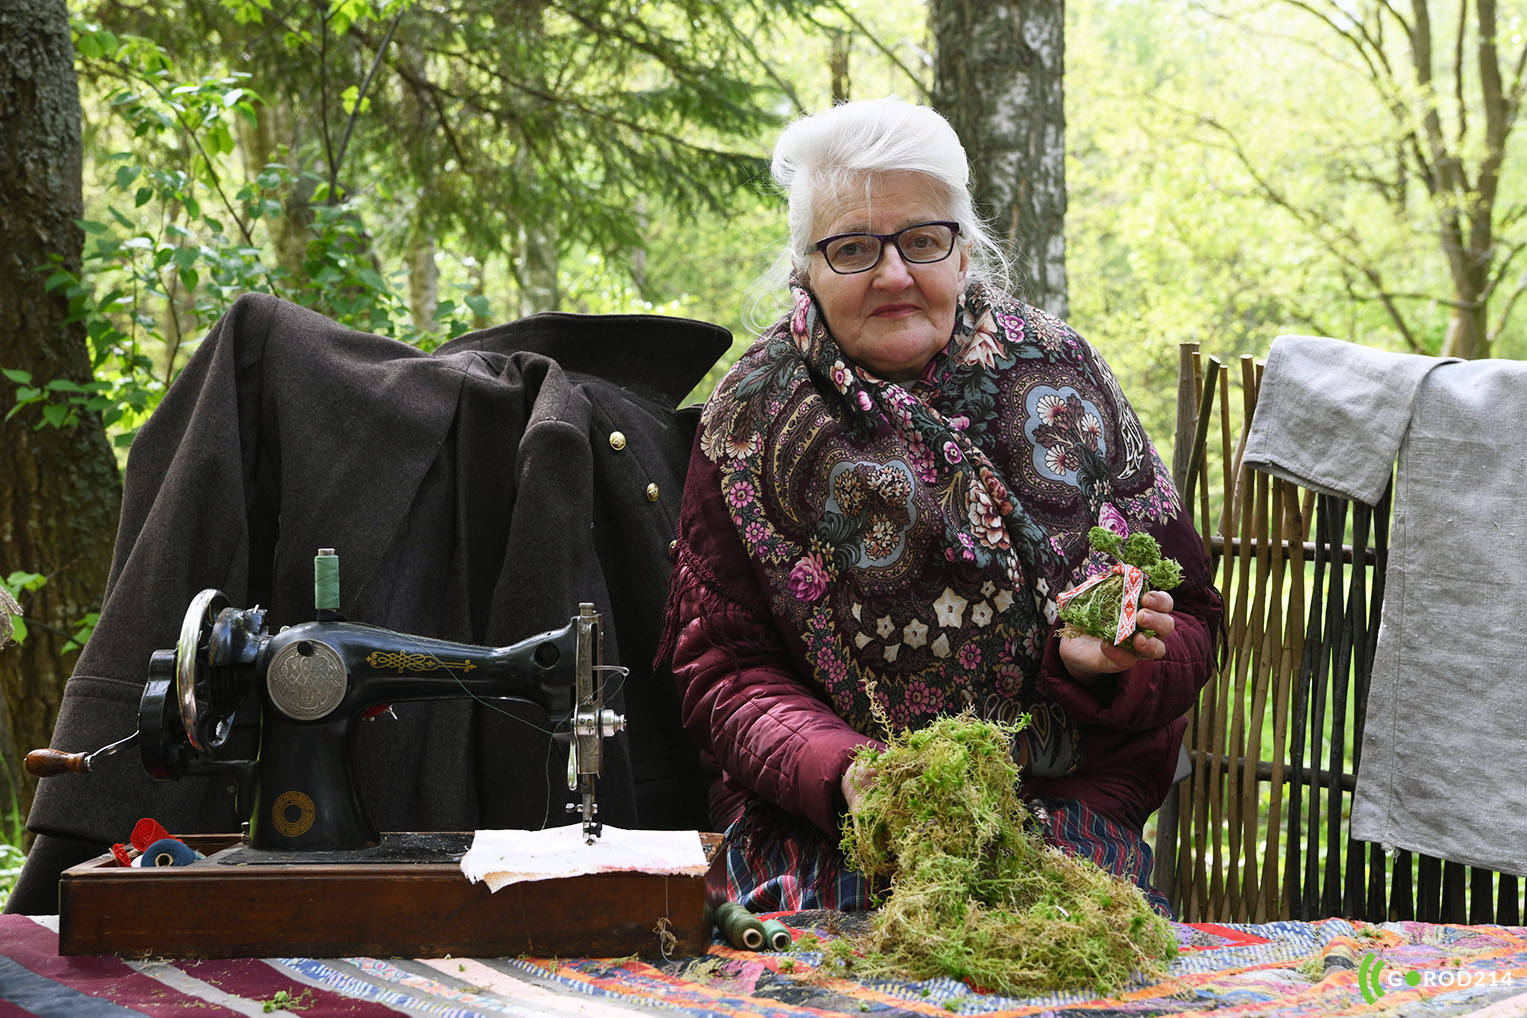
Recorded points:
(1165, 170)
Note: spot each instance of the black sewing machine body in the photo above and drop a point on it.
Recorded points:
(317, 682)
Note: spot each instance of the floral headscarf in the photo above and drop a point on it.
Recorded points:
(914, 535)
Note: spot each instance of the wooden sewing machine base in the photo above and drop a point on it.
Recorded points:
(372, 908)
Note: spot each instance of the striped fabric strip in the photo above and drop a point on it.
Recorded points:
(167, 973)
(9, 1010)
(380, 982)
(108, 981)
(262, 979)
(1081, 831)
(33, 994)
(518, 995)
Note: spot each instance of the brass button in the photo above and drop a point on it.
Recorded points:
(651, 493)
(673, 549)
(617, 441)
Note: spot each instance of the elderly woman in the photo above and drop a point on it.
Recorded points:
(888, 490)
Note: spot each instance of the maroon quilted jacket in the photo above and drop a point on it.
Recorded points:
(763, 729)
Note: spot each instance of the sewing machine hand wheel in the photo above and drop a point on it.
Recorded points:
(206, 709)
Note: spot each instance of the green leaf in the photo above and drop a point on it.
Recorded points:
(64, 385)
(141, 198)
(478, 303)
(348, 97)
(17, 375)
(58, 279)
(19, 581)
(56, 414)
(219, 139)
(125, 176)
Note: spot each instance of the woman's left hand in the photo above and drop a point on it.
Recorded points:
(1087, 657)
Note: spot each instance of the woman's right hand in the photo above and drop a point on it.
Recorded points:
(856, 781)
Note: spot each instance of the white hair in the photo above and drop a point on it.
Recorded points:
(821, 155)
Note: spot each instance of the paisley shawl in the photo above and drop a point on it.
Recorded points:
(912, 536)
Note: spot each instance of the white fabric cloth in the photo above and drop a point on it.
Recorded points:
(1445, 741)
(501, 858)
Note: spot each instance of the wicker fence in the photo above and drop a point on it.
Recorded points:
(1259, 829)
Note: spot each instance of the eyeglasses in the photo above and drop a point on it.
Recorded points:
(920, 244)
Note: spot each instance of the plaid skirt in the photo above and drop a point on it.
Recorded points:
(773, 861)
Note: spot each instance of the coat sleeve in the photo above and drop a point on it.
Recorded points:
(743, 699)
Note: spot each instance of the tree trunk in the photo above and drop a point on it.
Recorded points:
(59, 489)
(997, 77)
(273, 138)
(837, 66)
(1467, 333)
(423, 281)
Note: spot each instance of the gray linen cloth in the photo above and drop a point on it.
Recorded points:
(1445, 742)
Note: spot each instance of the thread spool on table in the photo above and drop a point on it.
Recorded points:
(741, 928)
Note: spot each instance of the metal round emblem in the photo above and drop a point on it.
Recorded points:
(292, 813)
(306, 680)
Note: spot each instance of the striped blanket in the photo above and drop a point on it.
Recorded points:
(1277, 969)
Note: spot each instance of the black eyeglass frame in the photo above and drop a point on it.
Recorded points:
(890, 238)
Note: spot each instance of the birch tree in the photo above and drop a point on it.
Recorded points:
(998, 78)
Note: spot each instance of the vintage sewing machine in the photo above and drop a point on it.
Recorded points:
(315, 683)
(312, 874)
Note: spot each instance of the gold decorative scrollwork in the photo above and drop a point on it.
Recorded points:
(411, 661)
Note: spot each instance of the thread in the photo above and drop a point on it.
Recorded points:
(741, 928)
(169, 852)
(326, 581)
(778, 935)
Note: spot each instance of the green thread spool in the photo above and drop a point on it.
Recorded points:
(326, 581)
(778, 935)
(741, 928)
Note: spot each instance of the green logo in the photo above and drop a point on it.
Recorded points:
(1369, 981)
(1368, 977)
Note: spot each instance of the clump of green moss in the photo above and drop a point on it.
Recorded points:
(1095, 611)
(974, 892)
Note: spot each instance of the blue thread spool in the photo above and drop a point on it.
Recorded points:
(169, 852)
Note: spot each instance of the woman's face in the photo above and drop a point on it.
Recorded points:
(893, 318)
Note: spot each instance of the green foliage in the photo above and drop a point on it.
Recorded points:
(1104, 540)
(12, 855)
(975, 893)
(316, 162)
(1140, 549)
(286, 1000)
(1095, 611)
(171, 243)
(15, 626)
(12, 838)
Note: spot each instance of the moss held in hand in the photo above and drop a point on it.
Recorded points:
(1095, 611)
(974, 892)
